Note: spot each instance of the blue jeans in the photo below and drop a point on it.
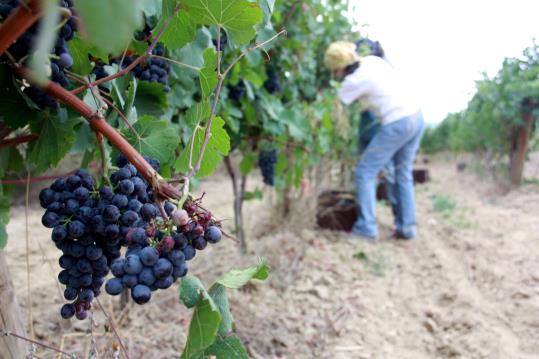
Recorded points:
(368, 128)
(398, 143)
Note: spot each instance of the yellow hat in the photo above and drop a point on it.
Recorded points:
(340, 54)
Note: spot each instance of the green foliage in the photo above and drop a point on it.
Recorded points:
(110, 23)
(153, 138)
(229, 347)
(56, 138)
(443, 204)
(237, 17)
(211, 324)
(181, 30)
(218, 145)
(494, 112)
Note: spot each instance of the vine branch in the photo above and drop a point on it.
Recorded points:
(15, 335)
(109, 319)
(17, 23)
(221, 78)
(12, 142)
(179, 63)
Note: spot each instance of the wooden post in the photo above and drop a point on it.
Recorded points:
(11, 319)
(520, 149)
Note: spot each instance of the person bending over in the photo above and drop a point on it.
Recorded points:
(374, 82)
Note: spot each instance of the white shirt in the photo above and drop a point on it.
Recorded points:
(378, 87)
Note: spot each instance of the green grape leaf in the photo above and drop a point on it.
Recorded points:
(198, 113)
(11, 161)
(237, 278)
(56, 138)
(155, 138)
(181, 29)
(190, 291)
(247, 163)
(193, 53)
(203, 328)
(150, 99)
(15, 111)
(110, 24)
(253, 77)
(229, 348)
(252, 195)
(182, 94)
(218, 145)
(79, 50)
(218, 293)
(237, 17)
(267, 8)
(298, 125)
(152, 7)
(208, 74)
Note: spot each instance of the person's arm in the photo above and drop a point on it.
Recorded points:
(352, 88)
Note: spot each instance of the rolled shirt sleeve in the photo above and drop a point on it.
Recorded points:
(352, 88)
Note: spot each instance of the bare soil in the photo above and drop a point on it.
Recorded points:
(467, 287)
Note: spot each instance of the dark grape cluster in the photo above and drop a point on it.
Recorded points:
(266, 161)
(158, 248)
(72, 206)
(99, 69)
(90, 226)
(236, 92)
(61, 58)
(223, 41)
(272, 84)
(153, 70)
(144, 34)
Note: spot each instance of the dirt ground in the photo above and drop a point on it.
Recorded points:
(467, 287)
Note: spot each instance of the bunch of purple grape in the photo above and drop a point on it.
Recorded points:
(90, 226)
(153, 70)
(267, 159)
(72, 204)
(61, 58)
(272, 84)
(238, 91)
(159, 246)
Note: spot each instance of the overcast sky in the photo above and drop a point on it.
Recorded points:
(443, 46)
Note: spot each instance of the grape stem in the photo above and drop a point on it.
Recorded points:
(102, 97)
(109, 319)
(137, 61)
(35, 342)
(17, 23)
(182, 64)
(12, 142)
(219, 50)
(162, 210)
(221, 77)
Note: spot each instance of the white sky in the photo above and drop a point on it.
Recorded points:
(443, 46)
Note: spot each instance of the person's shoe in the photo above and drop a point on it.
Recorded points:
(357, 235)
(400, 236)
